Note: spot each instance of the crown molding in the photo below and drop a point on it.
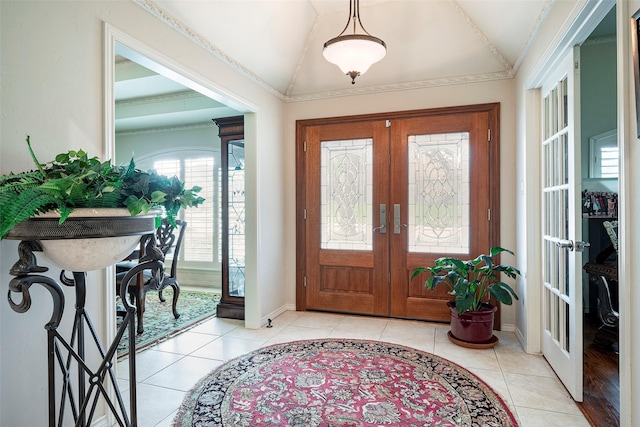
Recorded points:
(180, 27)
(482, 36)
(294, 76)
(533, 34)
(159, 13)
(396, 87)
(191, 126)
(176, 96)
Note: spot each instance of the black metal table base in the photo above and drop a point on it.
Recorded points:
(79, 395)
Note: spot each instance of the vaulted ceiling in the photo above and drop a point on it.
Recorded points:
(278, 43)
(429, 42)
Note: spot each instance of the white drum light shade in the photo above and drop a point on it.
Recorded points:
(354, 53)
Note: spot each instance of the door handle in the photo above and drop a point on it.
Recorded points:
(568, 244)
(578, 246)
(383, 219)
(396, 219)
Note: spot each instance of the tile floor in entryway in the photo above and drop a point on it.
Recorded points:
(165, 372)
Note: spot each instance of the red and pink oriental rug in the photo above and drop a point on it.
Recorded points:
(334, 382)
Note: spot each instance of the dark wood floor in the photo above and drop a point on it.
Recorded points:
(601, 404)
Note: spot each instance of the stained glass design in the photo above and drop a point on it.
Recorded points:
(236, 209)
(439, 218)
(346, 194)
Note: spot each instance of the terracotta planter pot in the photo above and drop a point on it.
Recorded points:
(472, 326)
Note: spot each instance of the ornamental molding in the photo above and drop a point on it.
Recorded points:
(507, 73)
(180, 27)
(176, 96)
(191, 126)
(449, 81)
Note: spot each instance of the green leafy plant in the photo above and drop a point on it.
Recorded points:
(472, 282)
(75, 180)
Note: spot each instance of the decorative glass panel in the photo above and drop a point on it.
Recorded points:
(439, 218)
(236, 212)
(346, 194)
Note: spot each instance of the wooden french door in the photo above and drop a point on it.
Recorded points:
(378, 197)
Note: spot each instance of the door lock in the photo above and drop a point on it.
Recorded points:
(383, 219)
(396, 219)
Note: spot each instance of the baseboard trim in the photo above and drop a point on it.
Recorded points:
(277, 312)
(508, 327)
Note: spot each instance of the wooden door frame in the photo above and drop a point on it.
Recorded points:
(493, 110)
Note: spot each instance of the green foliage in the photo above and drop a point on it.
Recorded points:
(472, 282)
(75, 180)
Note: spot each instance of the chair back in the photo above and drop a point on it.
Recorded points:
(612, 231)
(167, 240)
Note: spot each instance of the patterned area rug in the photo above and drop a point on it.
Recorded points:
(335, 382)
(159, 323)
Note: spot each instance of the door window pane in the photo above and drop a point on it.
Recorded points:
(236, 210)
(439, 219)
(346, 194)
(556, 212)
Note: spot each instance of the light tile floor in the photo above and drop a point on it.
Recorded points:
(168, 370)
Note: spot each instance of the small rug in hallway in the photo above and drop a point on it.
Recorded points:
(159, 323)
(339, 382)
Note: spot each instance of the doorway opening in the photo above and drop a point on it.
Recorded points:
(598, 73)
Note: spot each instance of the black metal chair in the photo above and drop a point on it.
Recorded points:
(604, 273)
(167, 239)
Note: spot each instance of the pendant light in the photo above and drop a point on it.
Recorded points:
(355, 52)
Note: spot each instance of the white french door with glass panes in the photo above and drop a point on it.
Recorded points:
(561, 225)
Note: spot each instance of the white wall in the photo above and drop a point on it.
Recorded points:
(140, 145)
(444, 96)
(52, 89)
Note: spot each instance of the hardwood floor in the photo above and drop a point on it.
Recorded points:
(601, 405)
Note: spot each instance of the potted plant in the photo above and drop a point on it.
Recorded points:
(74, 181)
(472, 283)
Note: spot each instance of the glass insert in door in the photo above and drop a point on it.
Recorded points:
(438, 190)
(556, 217)
(236, 210)
(346, 194)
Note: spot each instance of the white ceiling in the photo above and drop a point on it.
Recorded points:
(428, 41)
(146, 100)
(278, 43)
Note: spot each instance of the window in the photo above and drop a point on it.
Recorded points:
(603, 152)
(195, 168)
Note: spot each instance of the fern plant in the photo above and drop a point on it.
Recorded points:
(75, 180)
